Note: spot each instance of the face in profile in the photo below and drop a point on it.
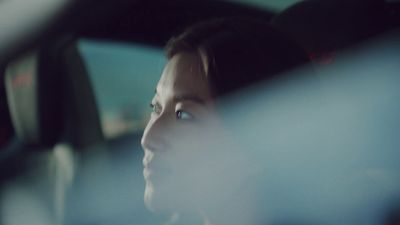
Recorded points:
(181, 104)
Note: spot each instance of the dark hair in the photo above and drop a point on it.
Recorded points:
(238, 52)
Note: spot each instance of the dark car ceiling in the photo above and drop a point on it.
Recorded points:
(147, 21)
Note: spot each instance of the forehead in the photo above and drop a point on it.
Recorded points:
(184, 74)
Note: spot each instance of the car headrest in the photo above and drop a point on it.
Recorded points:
(50, 98)
(331, 25)
(34, 94)
(82, 121)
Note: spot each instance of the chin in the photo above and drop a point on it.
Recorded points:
(148, 197)
(160, 199)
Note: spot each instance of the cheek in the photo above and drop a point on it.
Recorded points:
(203, 161)
(192, 148)
(193, 144)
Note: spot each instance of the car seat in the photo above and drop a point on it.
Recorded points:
(56, 122)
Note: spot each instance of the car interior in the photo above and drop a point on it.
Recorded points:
(74, 94)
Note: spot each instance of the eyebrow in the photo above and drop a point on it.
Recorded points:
(188, 97)
(192, 98)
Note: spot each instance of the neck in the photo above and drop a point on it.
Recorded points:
(239, 210)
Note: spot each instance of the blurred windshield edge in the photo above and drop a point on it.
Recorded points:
(328, 144)
(23, 20)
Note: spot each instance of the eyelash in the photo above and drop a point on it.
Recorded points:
(156, 108)
(178, 115)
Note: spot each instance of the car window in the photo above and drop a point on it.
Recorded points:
(123, 78)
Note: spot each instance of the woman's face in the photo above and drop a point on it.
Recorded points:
(181, 104)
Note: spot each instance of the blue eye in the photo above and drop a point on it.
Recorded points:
(182, 115)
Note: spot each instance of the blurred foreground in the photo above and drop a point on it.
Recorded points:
(320, 147)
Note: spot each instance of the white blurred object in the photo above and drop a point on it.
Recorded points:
(38, 196)
(24, 19)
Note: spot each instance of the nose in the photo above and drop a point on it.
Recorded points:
(154, 135)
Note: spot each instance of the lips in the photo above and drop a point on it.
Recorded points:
(147, 173)
(148, 157)
(155, 166)
(151, 169)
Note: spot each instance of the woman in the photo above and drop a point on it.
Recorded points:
(185, 167)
